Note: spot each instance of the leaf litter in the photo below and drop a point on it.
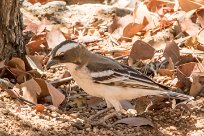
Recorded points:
(165, 42)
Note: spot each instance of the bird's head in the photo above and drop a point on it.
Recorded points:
(66, 52)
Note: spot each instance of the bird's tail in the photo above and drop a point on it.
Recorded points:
(176, 95)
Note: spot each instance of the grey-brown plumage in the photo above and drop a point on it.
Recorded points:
(104, 77)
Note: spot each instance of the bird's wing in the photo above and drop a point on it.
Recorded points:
(114, 74)
(126, 77)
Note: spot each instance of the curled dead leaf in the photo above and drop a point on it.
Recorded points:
(200, 37)
(172, 51)
(132, 28)
(184, 71)
(54, 37)
(166, 72)
(57, 96)
(141, 50)
(30, 90)
(2, 64)
(135, 121)
(188, 5)
(196, 86)
(16, 63)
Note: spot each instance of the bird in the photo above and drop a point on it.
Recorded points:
(104, 77)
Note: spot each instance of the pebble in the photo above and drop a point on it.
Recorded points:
(74, 115)
(5, 111)
(54, 114)
(88, 129)
(95, 130)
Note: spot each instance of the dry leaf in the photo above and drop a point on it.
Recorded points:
(36, 62)
(118, 25)
(54, 37)
(94, 101)
(43, 86)
(200, 14)
(170, 64)
(196, 85)
(30, 90)
(141, 50)
(36, 44)
(135, 121)
(131, 29)
(172, 51)
(187, 24)
(57, 96)
(16, 63)
(184, 71)
(142, 104)
(200, 36)
(165, 72)
(2, 65)
(126, 104)
(188, 5)
(155, 5)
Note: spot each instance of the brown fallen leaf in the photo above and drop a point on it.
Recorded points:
(17, 67)
(57, 96)
(135, 121)
(165, 72)
(117, 27)
(43, 86)
(16, 63)
(2, 64)
(200, 36)
(36, 62)
(36, 44)
(156, 5)
(94, 101)
(196, 85)
(184, 71)
(30, 90)
(188, 5)
(126, 104)
(187, 25)
(140, 50)
(172, 51)
(142, 104)
(131, 29)
(54, 37)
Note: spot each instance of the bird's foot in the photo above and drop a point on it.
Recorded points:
(103, 121)
(100, 113)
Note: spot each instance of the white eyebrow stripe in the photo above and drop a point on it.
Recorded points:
(66, 47)
(102, 74)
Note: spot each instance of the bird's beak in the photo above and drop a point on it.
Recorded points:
(51, 63)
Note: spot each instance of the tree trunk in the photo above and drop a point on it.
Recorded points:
(11, 26)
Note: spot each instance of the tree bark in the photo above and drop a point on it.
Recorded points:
(11, 27)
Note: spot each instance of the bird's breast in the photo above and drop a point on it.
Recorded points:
(84, 80)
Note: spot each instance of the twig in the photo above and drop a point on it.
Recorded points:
(24, 100)
(61, 81)
(120, 57)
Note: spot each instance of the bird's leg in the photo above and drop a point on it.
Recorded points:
(100, 112)
(116, 113)
(109, 107)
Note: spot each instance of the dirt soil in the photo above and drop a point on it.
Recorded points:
(22, 120)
